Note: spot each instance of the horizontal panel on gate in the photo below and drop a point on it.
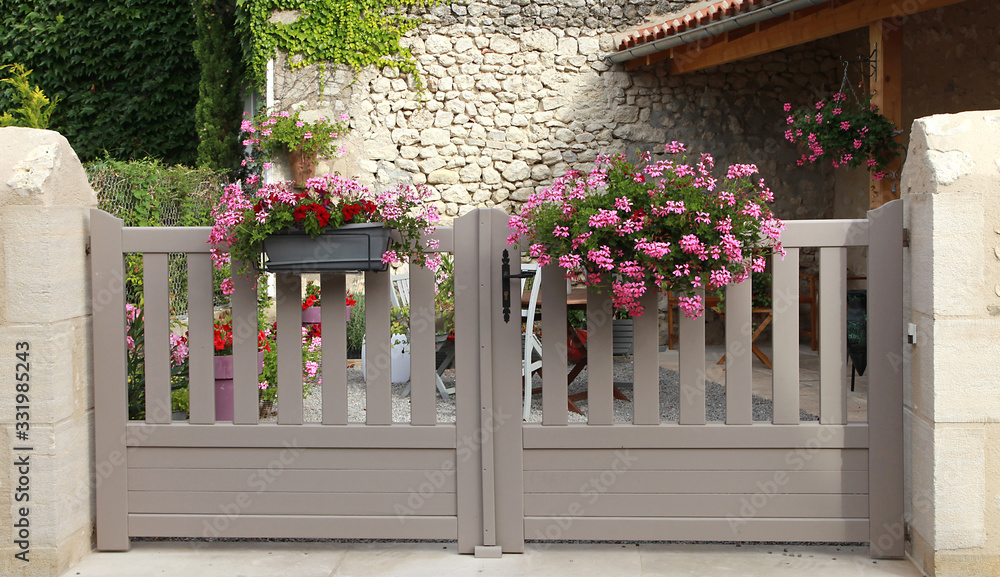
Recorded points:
(293, 526)
(757, 504)
(691, 529)
(710, 436)
(803, 459)
(698, 482)
(189, 239)
(355, 435)
(281, 479)
(251, 458)
(270, 503)
(819, 233)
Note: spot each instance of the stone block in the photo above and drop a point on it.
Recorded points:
(435, 137)
(966, 361)
(45, 263)
(959, 487)
(442, 176)
(40, 168)
(503, 44)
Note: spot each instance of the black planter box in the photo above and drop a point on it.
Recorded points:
(350, 248)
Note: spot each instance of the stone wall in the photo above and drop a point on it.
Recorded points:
(951, 189)
(45, 302)
(518, 92)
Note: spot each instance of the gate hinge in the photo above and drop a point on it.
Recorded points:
(906, 237)
(506, 276)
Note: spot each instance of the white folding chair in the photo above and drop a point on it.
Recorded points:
(399, 294)
(532, 345)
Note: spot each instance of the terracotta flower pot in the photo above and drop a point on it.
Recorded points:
(302, 165)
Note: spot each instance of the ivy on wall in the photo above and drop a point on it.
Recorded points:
(357, 33)
(125, 72)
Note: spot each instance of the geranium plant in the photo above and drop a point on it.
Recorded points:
(274, 133)
(314, 295)
(847, 134)
(668, 224)
(243, 220)
(312, 345)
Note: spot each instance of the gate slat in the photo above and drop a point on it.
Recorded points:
(423, 394)
(692, 367)
(245, 360)
(600, 363)
(832, 336)
(646, 373)
(554, 350)
(110, 378)
(156, 336)
(333, 287)
(785, 337)
(378, 369)
(288, 296)
(200, 339)
(468, 473)
(885, 379)
(739, 363)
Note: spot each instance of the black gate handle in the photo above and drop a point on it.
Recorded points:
(505, 273)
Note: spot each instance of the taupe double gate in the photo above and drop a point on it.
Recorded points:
(488, 479)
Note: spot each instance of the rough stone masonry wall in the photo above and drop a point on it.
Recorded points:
(951, 190)
(518, 92)
(45, 201)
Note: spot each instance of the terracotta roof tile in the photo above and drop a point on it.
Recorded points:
(700, 17)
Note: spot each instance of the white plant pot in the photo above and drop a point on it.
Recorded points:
(399, 358)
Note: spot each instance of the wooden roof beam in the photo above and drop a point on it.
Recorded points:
(829, 21)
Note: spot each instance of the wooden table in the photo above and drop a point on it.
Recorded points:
(753, 339)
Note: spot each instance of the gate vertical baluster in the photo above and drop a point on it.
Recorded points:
(378, 363)
(334, 348)
(156, 336)
(646, 369)
(739, 362)
(288, 299)
(245, 377)
(692, 367)
(201, 369)
(600, 367)
(423, 394)
(785, 337)
(832, 335)
(554, 349)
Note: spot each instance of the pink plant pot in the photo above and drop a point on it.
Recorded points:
(312, 315)
(224, 385)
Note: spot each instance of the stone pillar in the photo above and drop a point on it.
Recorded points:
(46, 466)
(951, 187)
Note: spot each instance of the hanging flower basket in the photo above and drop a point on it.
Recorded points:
(350, 248)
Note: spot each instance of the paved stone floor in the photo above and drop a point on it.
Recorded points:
(300, 559)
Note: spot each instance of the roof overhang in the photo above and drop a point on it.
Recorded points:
(732, 30)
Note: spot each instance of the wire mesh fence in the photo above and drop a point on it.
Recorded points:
(147, 193)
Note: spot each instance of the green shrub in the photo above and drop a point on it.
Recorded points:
(27, 106)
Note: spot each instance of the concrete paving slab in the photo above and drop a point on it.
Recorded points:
(326, 559)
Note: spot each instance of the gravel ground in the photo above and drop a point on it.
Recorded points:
(715, 399)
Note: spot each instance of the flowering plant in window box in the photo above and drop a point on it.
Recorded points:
(666, 223)
(331, 210)
(849, 135)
